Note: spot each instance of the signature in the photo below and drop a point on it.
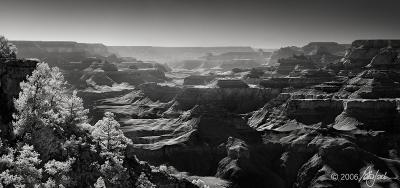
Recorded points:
(370, 177)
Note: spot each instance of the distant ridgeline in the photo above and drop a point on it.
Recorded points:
(56, 52)
(59, 52)
(173, 54)
(12, 72)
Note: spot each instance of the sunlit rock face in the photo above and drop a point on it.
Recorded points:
(12, 72)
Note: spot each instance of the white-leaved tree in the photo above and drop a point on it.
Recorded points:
(111, 144)
(51, 122)
(143, 182)
(100, 183)
(21, 167)
(57, 172)
(46, 113)
(109, 136)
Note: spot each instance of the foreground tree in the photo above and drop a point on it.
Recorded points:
(46, 114)
(60, 149)
(109, 137)
(111, 144)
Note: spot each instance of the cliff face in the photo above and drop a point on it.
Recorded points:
(12, 72)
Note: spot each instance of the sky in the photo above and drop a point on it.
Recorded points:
(256, 23)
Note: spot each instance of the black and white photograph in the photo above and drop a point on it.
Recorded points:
(199, 94)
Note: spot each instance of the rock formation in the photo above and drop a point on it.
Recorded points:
(372, 53)
(319, 52)
(287, 65)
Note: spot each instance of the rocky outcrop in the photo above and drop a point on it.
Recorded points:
(334, 48)
(319, 52)
(374, 53)
(285, 52)
(301, 62)
(243, 166)
(305, 158)
(12, 72)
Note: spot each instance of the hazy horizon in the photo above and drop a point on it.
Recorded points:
(267, 24)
